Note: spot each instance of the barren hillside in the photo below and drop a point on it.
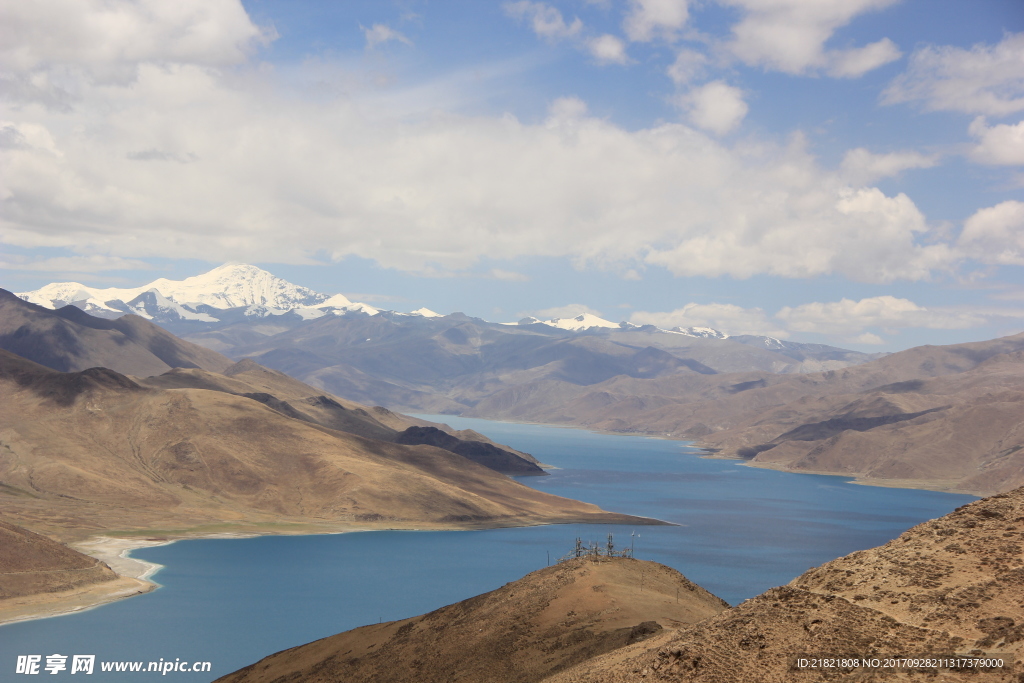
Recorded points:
(951, 585)
(519, 633)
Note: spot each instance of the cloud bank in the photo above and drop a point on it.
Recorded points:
(183, 154)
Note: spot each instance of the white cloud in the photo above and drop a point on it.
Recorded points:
(860, 166)
(567, 311)
(848, 317)
(648, 20)
(986, 79)
(845, 320)
(995, 235)
(74, 264)
(688, 66)
(299, 177)
(608, 49)
(715, 106)
(727, 318)
(273, 177)
(868, 338)
(1000, 145)
(508, 275)
(790, 36)
(856, 62)
(107, 37)
(546, 21)
(382, 33)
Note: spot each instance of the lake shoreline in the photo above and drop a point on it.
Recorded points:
(135, 576)
(713, 454)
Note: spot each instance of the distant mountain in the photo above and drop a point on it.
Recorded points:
(243, 300)
(584, 321)
(244, 289)
(935, 416)
(702, 333)
(68, 339)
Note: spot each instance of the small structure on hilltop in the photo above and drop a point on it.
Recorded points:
(596, 551)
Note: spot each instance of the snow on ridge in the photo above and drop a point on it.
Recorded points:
(232, 285)
(698, 332)
(426, 313)
(57, 294)
(584, 321)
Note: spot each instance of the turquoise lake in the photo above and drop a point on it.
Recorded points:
(740, 531)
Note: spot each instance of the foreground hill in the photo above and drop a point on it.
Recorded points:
(68, 339)
(522, 632)
(94, 450)
(951, 585)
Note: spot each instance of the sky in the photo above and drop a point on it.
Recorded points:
(848, 172)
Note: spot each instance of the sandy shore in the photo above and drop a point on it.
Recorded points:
(134, 578)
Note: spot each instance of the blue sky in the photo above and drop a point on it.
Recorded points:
(839, 171)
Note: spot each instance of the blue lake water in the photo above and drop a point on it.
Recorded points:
(740, 531)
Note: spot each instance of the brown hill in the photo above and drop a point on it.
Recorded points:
(961, 431)
(522, 632)
(31, 564)
(83, 452)
(69, 340)
(936, 416)
(951, 585)
(298, 400)
(41, 577)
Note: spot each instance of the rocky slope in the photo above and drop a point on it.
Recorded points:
(951, 585)
(522, 632)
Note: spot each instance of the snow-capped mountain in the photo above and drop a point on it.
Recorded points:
(699, 332)
(228, 286)
(254, 291)
(235, 292)
(584, 321)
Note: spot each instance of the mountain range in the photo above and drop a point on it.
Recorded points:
(940, 417)
(235, 293)
(192, 441)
